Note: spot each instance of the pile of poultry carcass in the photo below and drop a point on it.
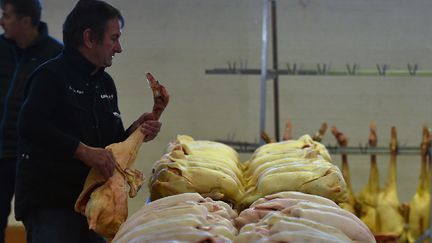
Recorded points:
(281, 217)
(184, 217)
(213, 169)
(294, 165)
(209, 168)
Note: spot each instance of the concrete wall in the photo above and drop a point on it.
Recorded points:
(178, 40)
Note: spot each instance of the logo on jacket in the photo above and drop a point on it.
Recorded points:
(116, 114)
(76, 91)
(107, 96)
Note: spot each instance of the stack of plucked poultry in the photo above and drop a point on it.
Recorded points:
(298, 217)
(184, 217)
(209, 168)
(293, 165)
(213, 169)
(281, 217)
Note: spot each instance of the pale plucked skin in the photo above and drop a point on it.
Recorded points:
(294, 165)
(350, 203)
(335, 210)
(390, 219)
(368, 196)
(146, 217)
(301, 218)
(107, 208)
(180, 234)
(209, 168)
(277, 217)
(419, 215)
(348, 226)
(261, 209)
(287, 164)
(318, 214)
(296, 195)
(184, 165)
(419, 206)
(289, 229)
(325, 182)
(168, 202)
(195, 179)
(367, 199)
(183, 217)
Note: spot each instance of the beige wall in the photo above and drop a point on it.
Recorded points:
(178, 40)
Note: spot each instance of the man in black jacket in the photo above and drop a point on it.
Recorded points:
(24, 45)
(69, 115)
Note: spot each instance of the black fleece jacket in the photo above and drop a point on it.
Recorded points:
(16, 65)
(64, 104)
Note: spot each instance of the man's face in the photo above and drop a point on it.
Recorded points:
(11, 23)
(105, 51)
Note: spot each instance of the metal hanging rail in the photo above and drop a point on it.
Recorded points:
(247, 147)
(314, 72)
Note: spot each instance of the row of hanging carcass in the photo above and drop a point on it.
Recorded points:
(380, 208)
(286, 192)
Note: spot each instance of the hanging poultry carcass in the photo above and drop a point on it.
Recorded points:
(419, 206)
(367, 198)
(287, 134)
(104, 202)
(343, 142)
(318, 136)
(266, 137)
(390, 218)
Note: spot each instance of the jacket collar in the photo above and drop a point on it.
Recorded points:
(79, 62)
(43, 33)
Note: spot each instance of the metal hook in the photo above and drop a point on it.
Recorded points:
(243, 64)
(412, 69)
(231, 136)
(352, 70)
(293, 69)
(382, 69)
(232, 67)
(322, 70)
(362, 148)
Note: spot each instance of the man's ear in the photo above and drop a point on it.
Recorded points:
(87, 38)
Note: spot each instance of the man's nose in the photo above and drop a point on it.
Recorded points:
(118, 48)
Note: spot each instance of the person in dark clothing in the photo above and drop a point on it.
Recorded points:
(24, 45)
(69, 115)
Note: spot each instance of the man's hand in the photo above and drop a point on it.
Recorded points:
(149, 126)
(101, 159)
